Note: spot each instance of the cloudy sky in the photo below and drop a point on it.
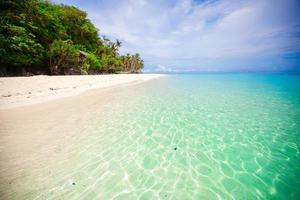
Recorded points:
(202, 35)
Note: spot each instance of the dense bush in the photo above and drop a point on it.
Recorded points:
(94, 62)
(63, 56)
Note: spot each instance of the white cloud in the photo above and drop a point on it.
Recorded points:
(180, 33)
(162, 68)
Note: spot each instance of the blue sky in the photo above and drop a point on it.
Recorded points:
(202, 35)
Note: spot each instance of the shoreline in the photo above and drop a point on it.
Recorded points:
(38, 139)
(25, 91)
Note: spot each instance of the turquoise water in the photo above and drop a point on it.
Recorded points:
(206, 136)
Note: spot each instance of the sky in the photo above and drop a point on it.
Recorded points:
(202, 35)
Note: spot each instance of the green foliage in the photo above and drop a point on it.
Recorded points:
(86, 67)
(94, 62)
(41, 33)
(19, 48)
(63, 55)
(112, 64)
(132, 63)
(18, 45)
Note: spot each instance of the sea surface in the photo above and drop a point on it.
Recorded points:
(204, 136)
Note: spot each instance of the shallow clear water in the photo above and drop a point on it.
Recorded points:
(209, 136)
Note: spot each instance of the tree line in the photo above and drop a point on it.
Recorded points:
(41, 37)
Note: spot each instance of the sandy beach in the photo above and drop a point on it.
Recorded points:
(38, 127)
(21, 91)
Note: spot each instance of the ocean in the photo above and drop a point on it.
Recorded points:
(200, 136)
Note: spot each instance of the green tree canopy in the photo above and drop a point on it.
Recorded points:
(38, 33)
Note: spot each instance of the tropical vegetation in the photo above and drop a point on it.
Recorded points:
(41, 37)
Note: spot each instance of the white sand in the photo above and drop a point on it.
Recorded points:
(21, 91)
